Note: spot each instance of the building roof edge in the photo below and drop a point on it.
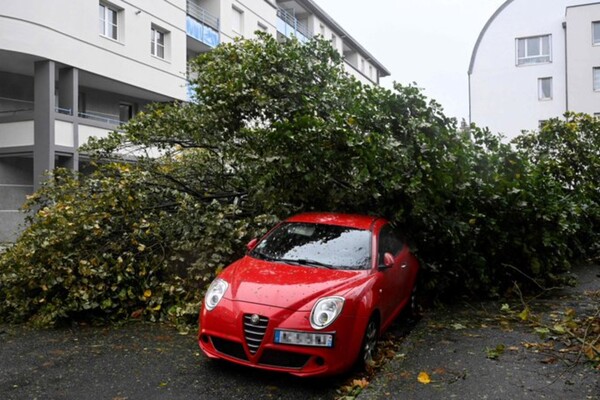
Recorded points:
(483, 31)
(312, 6)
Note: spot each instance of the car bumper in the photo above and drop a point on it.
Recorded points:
(226, 333)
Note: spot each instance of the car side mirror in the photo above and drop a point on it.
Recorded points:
(388, 261)
(252, 244)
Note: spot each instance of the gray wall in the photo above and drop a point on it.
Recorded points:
(16, 182)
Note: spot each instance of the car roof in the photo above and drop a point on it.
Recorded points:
(349, 220)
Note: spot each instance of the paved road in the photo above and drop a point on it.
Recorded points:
(138, 361)
(151, 361)
(453, 345)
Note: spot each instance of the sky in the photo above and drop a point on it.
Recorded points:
(428, 42)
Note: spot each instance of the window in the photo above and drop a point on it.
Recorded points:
(534, 50)
(157, 43)
(388, 243)
(108, 21)
(596, 33)
(237, 21)
(322, 29)
(125, 112)
(333, 246)
(597, 79)
(362, 65)
(334, 40)
(545, 89)
(262, 27)
(370, 71)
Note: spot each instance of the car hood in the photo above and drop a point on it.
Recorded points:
(286, 286)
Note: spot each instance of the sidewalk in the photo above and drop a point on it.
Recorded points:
(467, 352)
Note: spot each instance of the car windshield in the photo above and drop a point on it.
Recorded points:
(320, 246)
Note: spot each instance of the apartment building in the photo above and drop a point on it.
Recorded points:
(535, 60)
(73, 69)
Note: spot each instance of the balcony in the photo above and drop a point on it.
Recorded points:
(201, 25)
(17, 126)
(108, 119)
(289, 26)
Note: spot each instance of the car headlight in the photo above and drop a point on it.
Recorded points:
(215, 293)
(325, 311)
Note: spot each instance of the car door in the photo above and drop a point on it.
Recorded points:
(393, 277)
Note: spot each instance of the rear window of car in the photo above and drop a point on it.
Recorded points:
(329, 246)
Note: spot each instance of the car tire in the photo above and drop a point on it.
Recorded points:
(414, 307)
(369, 343)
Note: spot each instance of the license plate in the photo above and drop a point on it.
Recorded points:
(304, 338)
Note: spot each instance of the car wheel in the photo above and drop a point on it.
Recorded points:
(413, 300)
(369, 343)
(414, 308)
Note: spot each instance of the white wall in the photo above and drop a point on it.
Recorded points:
(16, 134)
(253, 12)
(67, 31)
(583, 56)
(86, 132)
(504, 96)
(63, 133)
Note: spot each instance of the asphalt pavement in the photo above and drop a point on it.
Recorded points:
(135, 361)
(470, 351)
(451, 346)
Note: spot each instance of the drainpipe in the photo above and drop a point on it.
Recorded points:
(564, 25)
(469, 82)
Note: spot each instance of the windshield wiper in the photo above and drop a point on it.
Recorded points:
(263, 256)
(305, 261)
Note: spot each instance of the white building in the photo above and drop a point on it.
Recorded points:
(72, 69)
(535, 60)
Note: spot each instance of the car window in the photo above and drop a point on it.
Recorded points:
(389, 242)
(329, 246)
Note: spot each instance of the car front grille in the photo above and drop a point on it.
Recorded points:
(254, 332)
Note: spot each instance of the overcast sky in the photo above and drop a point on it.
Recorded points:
(424, 41)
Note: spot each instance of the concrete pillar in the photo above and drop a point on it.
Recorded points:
(68, 99)
(43, 115)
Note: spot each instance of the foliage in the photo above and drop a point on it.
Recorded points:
(563, 333)
(92, 245)
(278, 128)
(568, 151)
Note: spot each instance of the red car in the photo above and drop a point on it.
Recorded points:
(311, 297)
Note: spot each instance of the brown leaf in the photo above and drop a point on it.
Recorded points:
(361, 383)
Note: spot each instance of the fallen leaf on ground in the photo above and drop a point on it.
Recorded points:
(524, 315)
(361, 383)
(496, 352)
(424, 378)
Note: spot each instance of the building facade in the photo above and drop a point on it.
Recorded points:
(535, 60)
(72, 69)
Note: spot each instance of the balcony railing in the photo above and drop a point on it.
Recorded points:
(10, 107)
(110, 119)
(101, 117)
(201, 25)
(16, 111)
(66, 111)
(288, 25)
